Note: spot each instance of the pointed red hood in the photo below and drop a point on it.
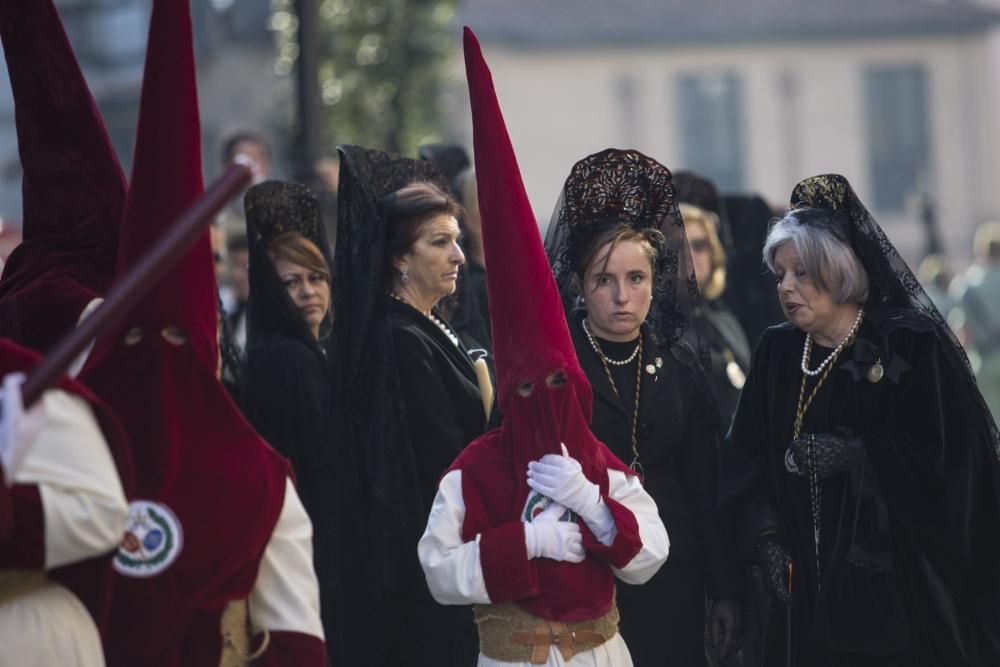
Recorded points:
(196, 458)
(166, 179)
(72, 187)
(530, 335)
(545, 397)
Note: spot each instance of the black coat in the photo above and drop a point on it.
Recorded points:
(677, 439)
(910, 560)
(441, 411)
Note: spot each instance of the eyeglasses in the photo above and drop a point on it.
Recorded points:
(699, 245)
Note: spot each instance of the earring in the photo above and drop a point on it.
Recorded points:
(405, 275)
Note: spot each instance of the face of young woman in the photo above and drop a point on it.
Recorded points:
(618, 290)
(431, 264)
(309, 290)
(808, 307)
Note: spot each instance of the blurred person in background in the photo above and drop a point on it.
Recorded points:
(238, 292)
(412, 396)
(936, 279)
(981, 305)
(751, 293)
(653, 404)
(721, 333)
(287, 390)
(862, 461)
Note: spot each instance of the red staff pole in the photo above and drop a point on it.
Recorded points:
(126, 292)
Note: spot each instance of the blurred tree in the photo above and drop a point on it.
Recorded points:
(380, 67)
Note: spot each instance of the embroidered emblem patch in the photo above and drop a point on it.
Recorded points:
(152, 542)
(536, 504)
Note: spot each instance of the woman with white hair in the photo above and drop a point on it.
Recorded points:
(862, 463)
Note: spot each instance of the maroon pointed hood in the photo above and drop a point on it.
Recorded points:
(530, 334)
(545, 397)
(73, 188)
(195, 456)
(166, 179)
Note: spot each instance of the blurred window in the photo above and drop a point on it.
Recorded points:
(898, 137)
(116, 35)
(711, 126)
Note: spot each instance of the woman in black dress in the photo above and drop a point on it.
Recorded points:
(862, 460)
(287, 383)
(653, 406)
(412, 390)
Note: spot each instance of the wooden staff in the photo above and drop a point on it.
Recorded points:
(126, 292)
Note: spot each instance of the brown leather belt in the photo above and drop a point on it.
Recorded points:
(510, 634)
(554, 633)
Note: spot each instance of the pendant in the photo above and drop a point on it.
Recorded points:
(736, 376)
(651, 369)
(875, 372)
(659, 362)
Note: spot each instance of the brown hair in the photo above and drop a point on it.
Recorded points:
(405, 211)
(292, 246)
(615, 234)
(710, 223)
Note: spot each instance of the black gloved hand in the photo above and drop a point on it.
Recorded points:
(829, 454)
(774, 563)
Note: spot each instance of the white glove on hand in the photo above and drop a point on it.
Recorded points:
(548, 537)
(561, 478)
(18, 429)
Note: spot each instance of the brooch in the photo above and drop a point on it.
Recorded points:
(875, 372)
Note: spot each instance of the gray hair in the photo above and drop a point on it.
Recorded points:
(828, 261)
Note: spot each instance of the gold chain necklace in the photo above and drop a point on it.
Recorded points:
(635, 466)
(815, 484)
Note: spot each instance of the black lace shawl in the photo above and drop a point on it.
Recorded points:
(892, 285)
(616, 186)
(389, 491)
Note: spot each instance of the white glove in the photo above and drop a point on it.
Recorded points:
(18, 429)
(561, 478)
(548, 537)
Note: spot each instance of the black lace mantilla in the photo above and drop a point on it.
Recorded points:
(891, 282)
(625, 186)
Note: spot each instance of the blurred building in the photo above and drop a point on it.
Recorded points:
(237, 83)
(901, 96)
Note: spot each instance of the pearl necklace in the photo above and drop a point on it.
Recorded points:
(604, 357)
(445, 329)
(807, 348)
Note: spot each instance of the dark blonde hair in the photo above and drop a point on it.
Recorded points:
(710, 223)
(292, 246)
(649, 239)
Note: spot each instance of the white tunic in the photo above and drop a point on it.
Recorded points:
(285, 597)
(455, 574)
(84, 510)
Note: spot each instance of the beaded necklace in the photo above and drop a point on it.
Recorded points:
(635, 466)
(815, 484)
